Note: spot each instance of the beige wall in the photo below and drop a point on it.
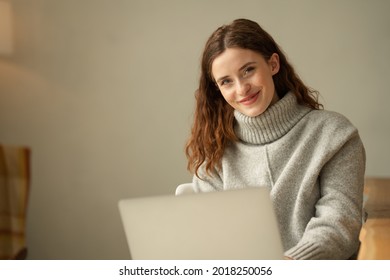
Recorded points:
(102, 91)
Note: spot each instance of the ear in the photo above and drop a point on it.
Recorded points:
(274, 64)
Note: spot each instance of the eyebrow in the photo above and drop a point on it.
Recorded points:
(241, 68)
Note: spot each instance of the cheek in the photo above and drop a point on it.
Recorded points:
(260, 80)
(228, 96)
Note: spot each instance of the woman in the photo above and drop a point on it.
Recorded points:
(256, 124)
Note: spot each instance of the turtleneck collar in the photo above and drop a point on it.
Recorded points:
(271, 125)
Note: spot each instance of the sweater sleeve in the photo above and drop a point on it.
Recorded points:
(207, 182)
(333, 231)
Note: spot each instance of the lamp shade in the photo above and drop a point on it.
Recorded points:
(6, 34)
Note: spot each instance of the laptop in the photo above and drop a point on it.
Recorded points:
(234, 224)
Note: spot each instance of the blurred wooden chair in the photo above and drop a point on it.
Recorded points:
(375, 233)
(14, 193)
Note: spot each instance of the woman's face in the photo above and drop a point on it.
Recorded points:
(244, 78)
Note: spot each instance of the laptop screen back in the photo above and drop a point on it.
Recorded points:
(238, 224)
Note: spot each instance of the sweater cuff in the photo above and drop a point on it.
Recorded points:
(304, 251)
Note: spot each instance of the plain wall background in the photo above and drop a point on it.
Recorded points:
(103, 93)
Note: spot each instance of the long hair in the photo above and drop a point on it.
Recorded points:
(213, 127)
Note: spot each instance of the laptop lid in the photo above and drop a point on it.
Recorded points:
(237, 224)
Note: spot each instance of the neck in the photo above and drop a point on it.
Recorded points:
(271, 125)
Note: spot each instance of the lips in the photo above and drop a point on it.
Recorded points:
(249, 99)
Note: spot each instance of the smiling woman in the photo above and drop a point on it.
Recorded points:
(226, 54)
(256, 124)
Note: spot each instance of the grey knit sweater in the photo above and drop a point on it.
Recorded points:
(314, 162)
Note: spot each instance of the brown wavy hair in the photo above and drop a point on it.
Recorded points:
(213, 126)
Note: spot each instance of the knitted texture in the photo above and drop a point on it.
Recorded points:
(313, 161)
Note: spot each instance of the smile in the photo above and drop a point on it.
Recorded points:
(249, 99)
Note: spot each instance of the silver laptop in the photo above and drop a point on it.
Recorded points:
(237, 224)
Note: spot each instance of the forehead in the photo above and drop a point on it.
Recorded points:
(232, 59)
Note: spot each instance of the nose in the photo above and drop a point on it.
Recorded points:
(242, 87)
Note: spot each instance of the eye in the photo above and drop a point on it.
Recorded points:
(225, 82)
(248, 70)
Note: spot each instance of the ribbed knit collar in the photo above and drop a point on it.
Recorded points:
(271, 125)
